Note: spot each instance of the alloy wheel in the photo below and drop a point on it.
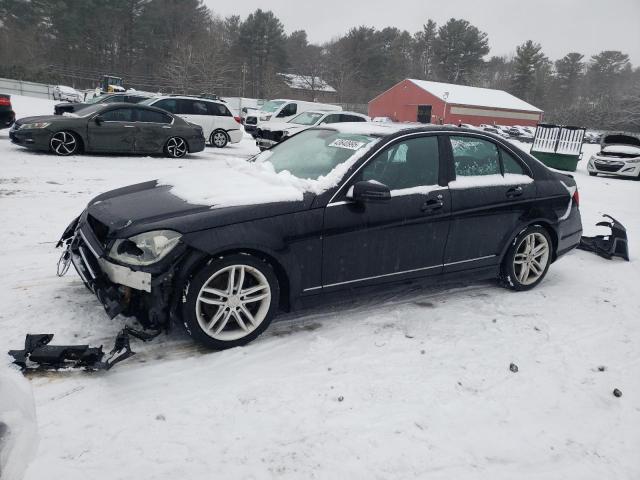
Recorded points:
(63, 143)
(233, 302)
(219, 139)
(531, 258)
(176, 147)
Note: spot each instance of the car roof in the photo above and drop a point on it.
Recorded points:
(389, 129)
(107, 106)
(188, 97)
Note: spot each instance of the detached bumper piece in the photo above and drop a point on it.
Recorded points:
(608, 246)
(39, 355)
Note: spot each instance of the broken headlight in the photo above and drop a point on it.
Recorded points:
(145, 248)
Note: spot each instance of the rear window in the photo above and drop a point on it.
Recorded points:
(218, 110)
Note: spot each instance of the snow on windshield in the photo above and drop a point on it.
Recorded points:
(266, 180)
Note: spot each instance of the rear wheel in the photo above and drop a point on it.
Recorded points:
(176, 147)
(64, 143)
(219, 139)
(231, 301)
(527, 260)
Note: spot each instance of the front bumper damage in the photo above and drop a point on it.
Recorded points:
(121, 290)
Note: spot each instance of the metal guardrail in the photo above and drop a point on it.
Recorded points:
(30, 89)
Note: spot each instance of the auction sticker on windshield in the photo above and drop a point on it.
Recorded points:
(348, 144)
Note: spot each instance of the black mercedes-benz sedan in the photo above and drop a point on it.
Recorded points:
(110, 128)
(334, 209)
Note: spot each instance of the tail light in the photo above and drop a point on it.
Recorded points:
(576, 198)
(237, 119)
(5, 102)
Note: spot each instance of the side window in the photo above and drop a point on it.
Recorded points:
(218, 110)
(510, 164)
(132, 99)
(288, 110)
(351, 118)
(168, 104)
(150, 116)
(332, 119)
(118, 115)
(200, 108)
(411, 163)
(474, 156)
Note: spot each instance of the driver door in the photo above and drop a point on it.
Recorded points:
(115, 133)
(402, 237)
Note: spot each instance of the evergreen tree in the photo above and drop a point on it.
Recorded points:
(528, 60)
(459, 51)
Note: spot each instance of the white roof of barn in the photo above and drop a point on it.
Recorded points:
(474, 96)
(304, 82)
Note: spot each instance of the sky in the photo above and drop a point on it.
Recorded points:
(561, 26)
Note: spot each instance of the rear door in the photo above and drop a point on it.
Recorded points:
(197, 111)
(153, 130)
(115, 133)
(491, 192)
(403, 237)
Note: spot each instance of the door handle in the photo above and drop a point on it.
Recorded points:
(431, 205)
(129, 126)
(514, 192)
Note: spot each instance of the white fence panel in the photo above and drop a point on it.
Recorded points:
(29, 89)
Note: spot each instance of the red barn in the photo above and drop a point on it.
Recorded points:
(434, 102)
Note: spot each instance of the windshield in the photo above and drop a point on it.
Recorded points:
(272, 106)
(314, 153)
(306, 118)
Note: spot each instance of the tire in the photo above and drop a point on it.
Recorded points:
(176, 147)
(217, 319)
(593, 174)
(219, 138)
(523, 254)
(64, 143)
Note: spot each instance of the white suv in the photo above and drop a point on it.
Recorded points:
(219, 125)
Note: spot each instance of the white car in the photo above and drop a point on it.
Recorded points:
(619, 155)
(271, 133)
(282, 110)
(66, 94)
(382, 120)
(219, 125)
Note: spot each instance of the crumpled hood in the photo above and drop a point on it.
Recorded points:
(148, 206)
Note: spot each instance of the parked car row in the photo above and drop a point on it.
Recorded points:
(271, 133)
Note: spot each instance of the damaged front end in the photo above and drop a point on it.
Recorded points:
(147, 293)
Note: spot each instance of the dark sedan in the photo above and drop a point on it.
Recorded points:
(329, 210)
(7, 115)
(110, 128)
(72, 107)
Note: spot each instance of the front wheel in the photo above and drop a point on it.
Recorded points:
(527, 260)
(231, 301)
(219, 139)
(176, 147)
(64, 143)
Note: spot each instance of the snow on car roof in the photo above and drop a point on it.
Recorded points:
(306, 82)
(371, 128)
(478, 97)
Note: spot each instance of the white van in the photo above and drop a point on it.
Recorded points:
(283, 110)
(219, 124)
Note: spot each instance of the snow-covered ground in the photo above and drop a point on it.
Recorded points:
(412, 384)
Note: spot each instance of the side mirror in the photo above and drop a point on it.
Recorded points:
(283, 113)
(98, 119)
(370, 191)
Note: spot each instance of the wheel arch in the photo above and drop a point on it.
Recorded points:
(544, 223)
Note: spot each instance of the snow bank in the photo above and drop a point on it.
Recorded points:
(18, 427)
(238, 182)
(31, 106)
(495, 180)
